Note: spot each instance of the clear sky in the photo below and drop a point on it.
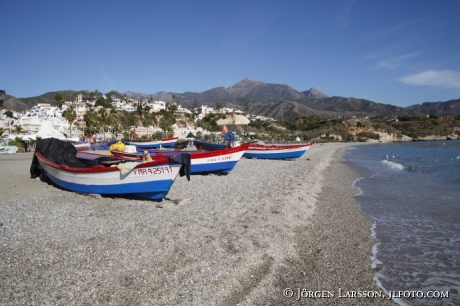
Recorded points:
(400, 52)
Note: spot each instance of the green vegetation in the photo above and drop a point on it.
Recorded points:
(122, 122)
(306, 128)
(70, 115)
(209, 122)
(59, 100)
(363, 136)
(422, 126)
(347, 129)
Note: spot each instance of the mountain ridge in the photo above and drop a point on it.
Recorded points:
(272, 100)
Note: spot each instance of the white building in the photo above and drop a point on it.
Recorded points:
(156, 106)
(183, 110)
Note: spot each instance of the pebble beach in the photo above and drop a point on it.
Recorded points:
(271, 232)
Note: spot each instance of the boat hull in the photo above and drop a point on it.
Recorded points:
(222, 161)
(276, 152)
(149, 180)
(82, 146)
(8, 149)
(210, 146)
(164, 143)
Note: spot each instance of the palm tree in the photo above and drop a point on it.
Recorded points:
(17, 129)
(70, 115)
(146, 121)
(85, 94)
(92, 122)
(171, 107)
(107, 119)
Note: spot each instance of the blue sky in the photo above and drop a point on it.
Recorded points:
(400, 52)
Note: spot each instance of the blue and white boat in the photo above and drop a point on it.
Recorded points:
(220, 161)
(209, 146)
(93, 173)
(164, 143)
(263, 151)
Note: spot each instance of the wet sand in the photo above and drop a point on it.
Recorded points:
(244, 238)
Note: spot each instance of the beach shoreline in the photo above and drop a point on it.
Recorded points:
(242, 238)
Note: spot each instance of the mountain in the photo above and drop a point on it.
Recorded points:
(280, 111)
(11, 103)
(274, 100)
(266, 92)
(437, 108)
(164, 96)
(314, 93)
(48, 97)
(354, 106)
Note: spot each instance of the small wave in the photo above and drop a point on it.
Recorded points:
(360, 191)
(393, 165)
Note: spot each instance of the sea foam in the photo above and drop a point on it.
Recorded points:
(392, 165)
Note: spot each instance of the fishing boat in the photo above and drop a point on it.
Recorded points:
(164, 143)
(221, 161)
(103, 145)
(209, 146)
(8, 149)
(264, 151)
(93, 173)
(82, 146)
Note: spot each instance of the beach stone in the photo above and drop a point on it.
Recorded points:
(241, 239)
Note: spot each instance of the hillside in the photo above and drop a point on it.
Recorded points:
(283, 110)
(314, 93)
(11, 103)
(252, 96)
(353, 106)
(68, 95)
(436, 108)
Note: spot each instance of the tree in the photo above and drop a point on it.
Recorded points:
(59, 100)
(70, 115)
(103, 102)
(109, 100)
(1, 103)
(139, 108)
(128, 120)
(85, 94)
(9, 114)
(92, 122)
(106, 119)
(17, 129)
(171, 107)
(17, 141)
(166, 123)
(148, 120)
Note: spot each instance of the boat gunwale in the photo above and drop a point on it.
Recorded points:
(99, 168)
(260, 147)
(193, 154)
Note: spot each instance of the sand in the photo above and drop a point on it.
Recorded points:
(246, 238)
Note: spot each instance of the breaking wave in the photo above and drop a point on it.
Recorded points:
(393, 165)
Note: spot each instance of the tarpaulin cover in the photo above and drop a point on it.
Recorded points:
(62, 153)
(185, 160)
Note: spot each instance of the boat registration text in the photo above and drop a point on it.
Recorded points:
(156, 170)
(222, 158)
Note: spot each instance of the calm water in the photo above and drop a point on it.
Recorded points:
(412, 193)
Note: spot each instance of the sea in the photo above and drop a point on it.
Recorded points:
(411, 192)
